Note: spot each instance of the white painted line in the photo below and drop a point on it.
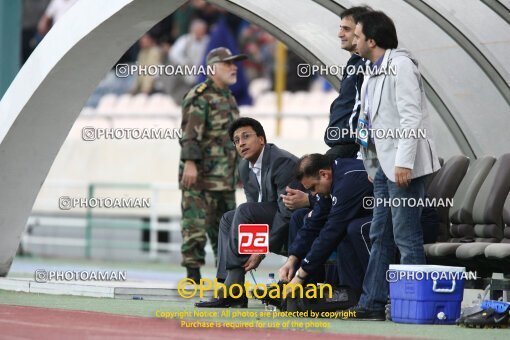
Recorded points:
(15, 285)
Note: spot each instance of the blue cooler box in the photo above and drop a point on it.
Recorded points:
(425, 294)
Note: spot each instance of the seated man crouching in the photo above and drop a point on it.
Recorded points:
(334, 223)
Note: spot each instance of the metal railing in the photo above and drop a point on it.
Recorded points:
(90, 220)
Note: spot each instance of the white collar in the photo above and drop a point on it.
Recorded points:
(258, 163)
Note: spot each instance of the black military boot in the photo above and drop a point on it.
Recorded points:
(194, 274)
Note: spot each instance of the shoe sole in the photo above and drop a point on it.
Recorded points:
(364, 319)
(486, 325)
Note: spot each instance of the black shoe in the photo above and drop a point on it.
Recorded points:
(488, 318)
(269, 300)
(363, 314)
(241, 302)
(194, 274)
(467, 312)
(342, 298)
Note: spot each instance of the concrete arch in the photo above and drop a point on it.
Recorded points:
(47, 95)
(499, 9)
(467, 40)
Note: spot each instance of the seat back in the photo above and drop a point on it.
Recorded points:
(433, 175)
(506, 221)
(488, 208)
(461, 213)
(444, 185)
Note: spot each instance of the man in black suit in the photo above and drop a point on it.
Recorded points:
(265, 171)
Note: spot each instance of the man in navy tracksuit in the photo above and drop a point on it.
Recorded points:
(335, 222)
(344, 111)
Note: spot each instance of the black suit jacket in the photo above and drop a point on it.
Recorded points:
(278, 168)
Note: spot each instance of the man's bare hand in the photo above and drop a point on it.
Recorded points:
(190, 174)
(402, 176)
(293, 284)
(296, 280)
(295, 199)
(288, 270)
(44, 25)
(253, 262)
(370, 179)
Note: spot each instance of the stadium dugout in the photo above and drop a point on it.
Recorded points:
(462, 46)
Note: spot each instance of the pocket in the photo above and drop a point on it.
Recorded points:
(220, 123)
(218, 162)
(214, 167)
(216, 151)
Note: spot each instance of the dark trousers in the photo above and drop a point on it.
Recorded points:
(343, 151)
(228, 238)
(353, 253)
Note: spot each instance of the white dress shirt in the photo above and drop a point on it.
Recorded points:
(257, 169)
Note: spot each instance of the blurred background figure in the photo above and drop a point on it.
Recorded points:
(189, 49)
(293, 80)
(53, 13)
(37, 19)
(149, 54)
(221, 36)
(260, 46)
(33, 10)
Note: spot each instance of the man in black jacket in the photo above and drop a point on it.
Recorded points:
(344, 111)
(265, 172)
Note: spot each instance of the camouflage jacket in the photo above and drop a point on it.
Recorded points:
(207, 112)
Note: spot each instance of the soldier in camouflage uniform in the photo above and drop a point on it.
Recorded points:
(207, 170)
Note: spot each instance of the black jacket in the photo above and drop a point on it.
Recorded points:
(344, 111)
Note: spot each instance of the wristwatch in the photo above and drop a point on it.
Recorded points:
(299, 276)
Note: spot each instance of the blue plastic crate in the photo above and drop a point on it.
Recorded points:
(425, 294)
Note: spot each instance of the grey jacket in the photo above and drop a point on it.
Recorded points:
(278, 168)
(397, 101)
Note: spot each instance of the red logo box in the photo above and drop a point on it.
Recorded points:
(253, 239)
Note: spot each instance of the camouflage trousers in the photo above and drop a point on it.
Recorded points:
(201, 214)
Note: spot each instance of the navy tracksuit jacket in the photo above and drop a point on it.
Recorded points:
(326, 226)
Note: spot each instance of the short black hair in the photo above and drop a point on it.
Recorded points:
(247, 121)
(378, 26)
(309, 165)
(355, 12)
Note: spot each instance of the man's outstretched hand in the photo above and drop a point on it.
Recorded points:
(288, 270)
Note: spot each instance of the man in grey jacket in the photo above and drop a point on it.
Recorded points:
(265, 172)
(398, 151)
